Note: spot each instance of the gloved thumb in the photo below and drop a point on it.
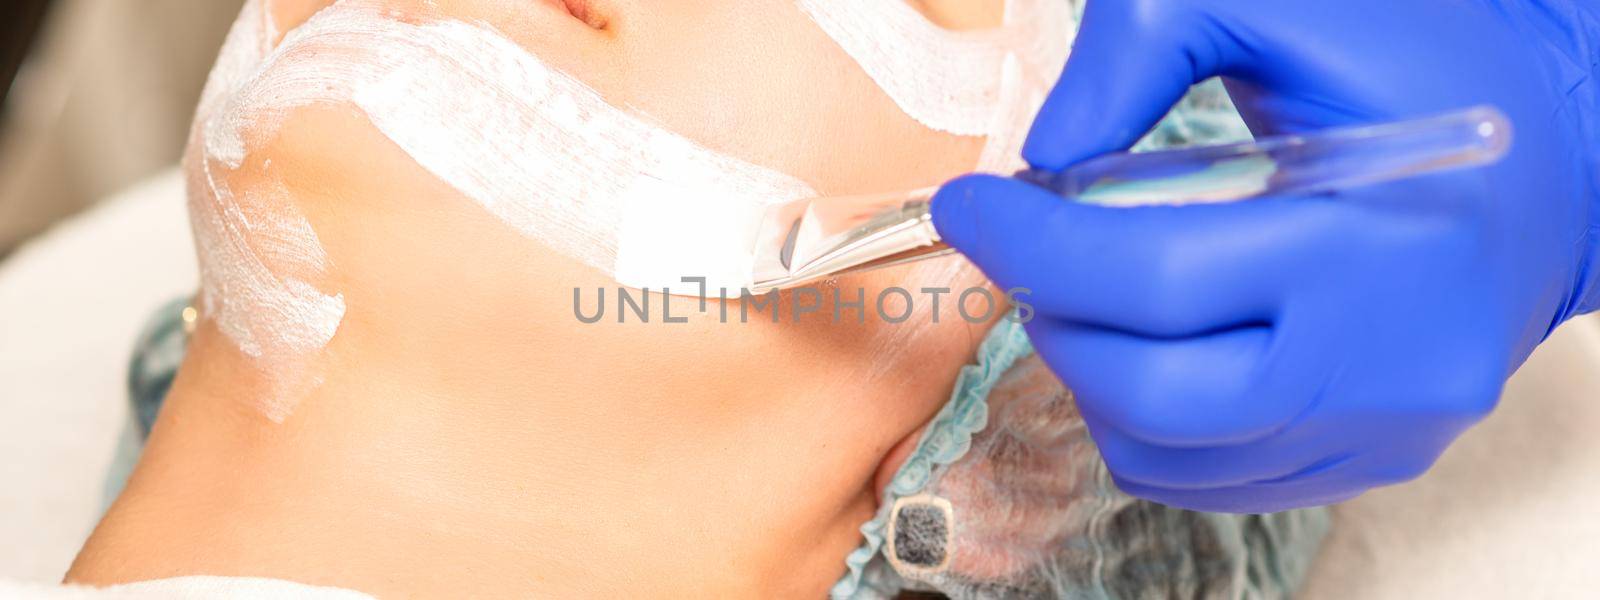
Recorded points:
(1133, 60)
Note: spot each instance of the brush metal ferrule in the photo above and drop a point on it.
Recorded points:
(834, 236)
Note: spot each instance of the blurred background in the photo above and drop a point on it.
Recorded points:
(98, 95)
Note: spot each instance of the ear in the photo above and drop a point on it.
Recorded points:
(895, 459)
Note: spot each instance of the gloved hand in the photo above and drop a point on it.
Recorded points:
(1287, 352)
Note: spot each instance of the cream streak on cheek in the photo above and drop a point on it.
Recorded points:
(257, 252)
(971, 83)
(533, 146)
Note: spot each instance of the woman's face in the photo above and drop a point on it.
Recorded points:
(783, 423)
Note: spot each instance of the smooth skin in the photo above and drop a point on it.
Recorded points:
(1290, 352)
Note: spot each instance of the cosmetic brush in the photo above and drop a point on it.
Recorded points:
(811, 239)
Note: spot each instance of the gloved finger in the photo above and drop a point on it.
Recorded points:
(1310, 451)
(1275, 460)
(1109, 94)
(1159, 270)
(1178, 393)
(1249, 499)
(1335, 477)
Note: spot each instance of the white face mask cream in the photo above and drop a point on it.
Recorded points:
(531, 145)
(258, 253)
(950, 81)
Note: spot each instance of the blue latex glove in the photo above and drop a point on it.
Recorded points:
(1289, 352)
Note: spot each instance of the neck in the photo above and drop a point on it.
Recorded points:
(388, 483)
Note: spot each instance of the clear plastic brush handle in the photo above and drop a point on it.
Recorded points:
(829, 236)
(1316, 162)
